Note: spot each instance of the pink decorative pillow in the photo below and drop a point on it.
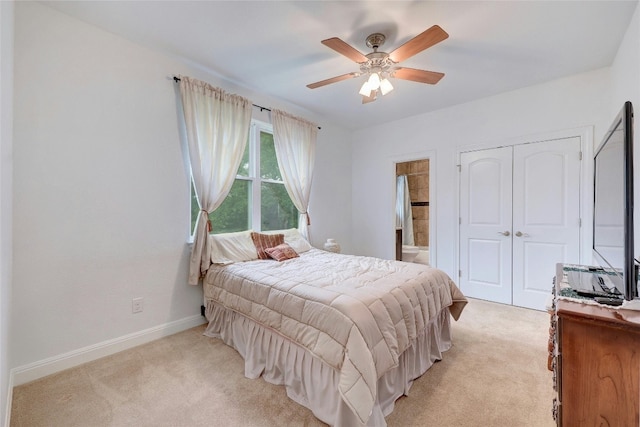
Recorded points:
(264, 241)
(282, 252)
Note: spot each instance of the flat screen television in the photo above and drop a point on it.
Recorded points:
(613, 204)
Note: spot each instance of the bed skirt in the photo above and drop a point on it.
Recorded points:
(310, 381)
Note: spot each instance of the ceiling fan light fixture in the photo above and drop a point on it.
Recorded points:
(385, 86)
(374, 81)
(378, 66)
(365, 90)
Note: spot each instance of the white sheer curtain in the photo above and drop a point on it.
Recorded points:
(295, 143)
(404, 213)
(217, 126)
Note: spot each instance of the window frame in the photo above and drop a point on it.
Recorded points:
(255, 179)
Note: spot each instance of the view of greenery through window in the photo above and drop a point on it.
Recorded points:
(276, 210)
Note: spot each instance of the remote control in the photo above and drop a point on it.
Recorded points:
(594, 293)
(608, 301)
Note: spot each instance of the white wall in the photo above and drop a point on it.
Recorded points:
(625, 70)
(6, 135)
(330, 209)
(568, 103)
(102, 212)
(625, 86)
(6, 142)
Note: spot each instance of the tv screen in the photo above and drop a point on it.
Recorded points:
(613, 204)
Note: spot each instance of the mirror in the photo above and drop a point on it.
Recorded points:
(412, 211)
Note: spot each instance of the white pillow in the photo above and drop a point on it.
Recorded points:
(232, 247)
(293, 238)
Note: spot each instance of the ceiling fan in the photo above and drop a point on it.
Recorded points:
(381, 65)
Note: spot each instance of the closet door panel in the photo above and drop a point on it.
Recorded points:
(546, 215)
(485, 224)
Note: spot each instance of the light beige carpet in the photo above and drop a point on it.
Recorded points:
(495, 375)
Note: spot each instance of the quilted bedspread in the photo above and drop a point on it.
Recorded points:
(357, 314)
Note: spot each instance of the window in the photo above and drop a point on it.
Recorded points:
(258, 199)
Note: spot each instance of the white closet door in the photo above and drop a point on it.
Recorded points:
(485, 224)
(546, 216)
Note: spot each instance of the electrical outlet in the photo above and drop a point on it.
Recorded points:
(136, 305)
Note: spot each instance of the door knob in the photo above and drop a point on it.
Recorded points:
(504, 233)
(520, 234)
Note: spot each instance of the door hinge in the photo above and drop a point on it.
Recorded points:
(459, 273)
(459, 220)
(459, 168)
(580, 156)
(579, 222)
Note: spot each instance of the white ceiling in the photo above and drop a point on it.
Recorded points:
(274, 47)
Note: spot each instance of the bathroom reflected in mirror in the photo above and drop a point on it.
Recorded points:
(412, 211)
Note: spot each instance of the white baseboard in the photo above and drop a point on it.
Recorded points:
(51, 365)
(7, 412)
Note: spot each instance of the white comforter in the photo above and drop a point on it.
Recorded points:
(358, 314)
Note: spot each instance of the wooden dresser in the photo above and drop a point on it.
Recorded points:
(594, 353)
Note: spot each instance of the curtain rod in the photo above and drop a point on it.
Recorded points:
(177, 79)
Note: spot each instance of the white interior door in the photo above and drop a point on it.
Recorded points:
(485, 224)
(546, 216)
(519, 216)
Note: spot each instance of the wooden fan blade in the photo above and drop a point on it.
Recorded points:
(332, 80)
(420, 76)
(368, 99)
(345, 49)
(419, 43)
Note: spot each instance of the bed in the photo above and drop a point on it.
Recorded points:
(346, 335)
